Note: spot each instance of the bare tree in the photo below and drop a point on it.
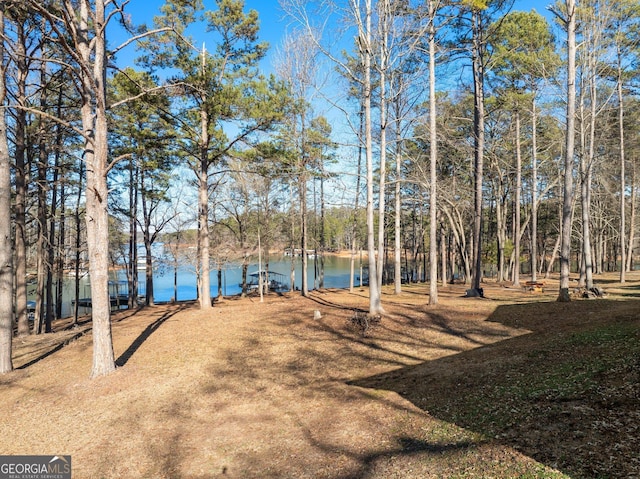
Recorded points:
(359, 14)
(296, 65)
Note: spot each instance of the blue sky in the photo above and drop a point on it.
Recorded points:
(272, 20)
(273, 26)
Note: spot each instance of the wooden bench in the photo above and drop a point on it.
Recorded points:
(533, 287)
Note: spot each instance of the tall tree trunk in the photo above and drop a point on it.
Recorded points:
(587, 174)
(382, 169)
(567, 200)
(58, 178)
(40, 317)
(556, 248)
(304, 234)
(583, 152)
(433, 159)
(632, 219)
(6, 245)
(132, 267)
(292, 271)
(587, 253)
(501, 236)
(94, 124)
(397, 246)
(204, 290)
(148, 243)
(479, 138)
(49, 309)
(516, 206)
(444, 255)
(375, 306)
(21, 179)
(47, 236)
(623, 193)
(78, 243)
(534, 191)
(204, 293)
(323, 240)
(354, 238)
(149, 299)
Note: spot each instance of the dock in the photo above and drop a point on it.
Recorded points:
(116, 301)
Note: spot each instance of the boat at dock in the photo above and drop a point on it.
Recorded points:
(275, 282)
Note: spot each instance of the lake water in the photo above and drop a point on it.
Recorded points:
(336, 275)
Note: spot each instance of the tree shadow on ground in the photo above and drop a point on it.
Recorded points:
(406, 446)
(298, 376)
(146, 333)
(46, 348)
(630, 291)
(566, 394)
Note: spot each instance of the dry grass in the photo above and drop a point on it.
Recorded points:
(268, 390)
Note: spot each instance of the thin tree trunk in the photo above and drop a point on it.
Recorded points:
(623, 193)
(41, 242)
(382, 170)
(6, 245)
(554, 255)
(261, 280)
(59, 176)
(443, 255)
(375, 306)
(354, 238)
(433, 159)
(534, 191)
(21, 180)
(501, 236)
(587, 254)
(323, 241)
(78, 244)
(149, 295)
(292, 273)
(565, 247)
(47, 236)
(50, 306)
(149, 239)
(516, 206)
(397, 276)
(632, 219)
(479, 138)
(133, 234)
(587, 174)
(303, 232)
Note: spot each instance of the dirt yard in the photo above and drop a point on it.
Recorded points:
(511, 385)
